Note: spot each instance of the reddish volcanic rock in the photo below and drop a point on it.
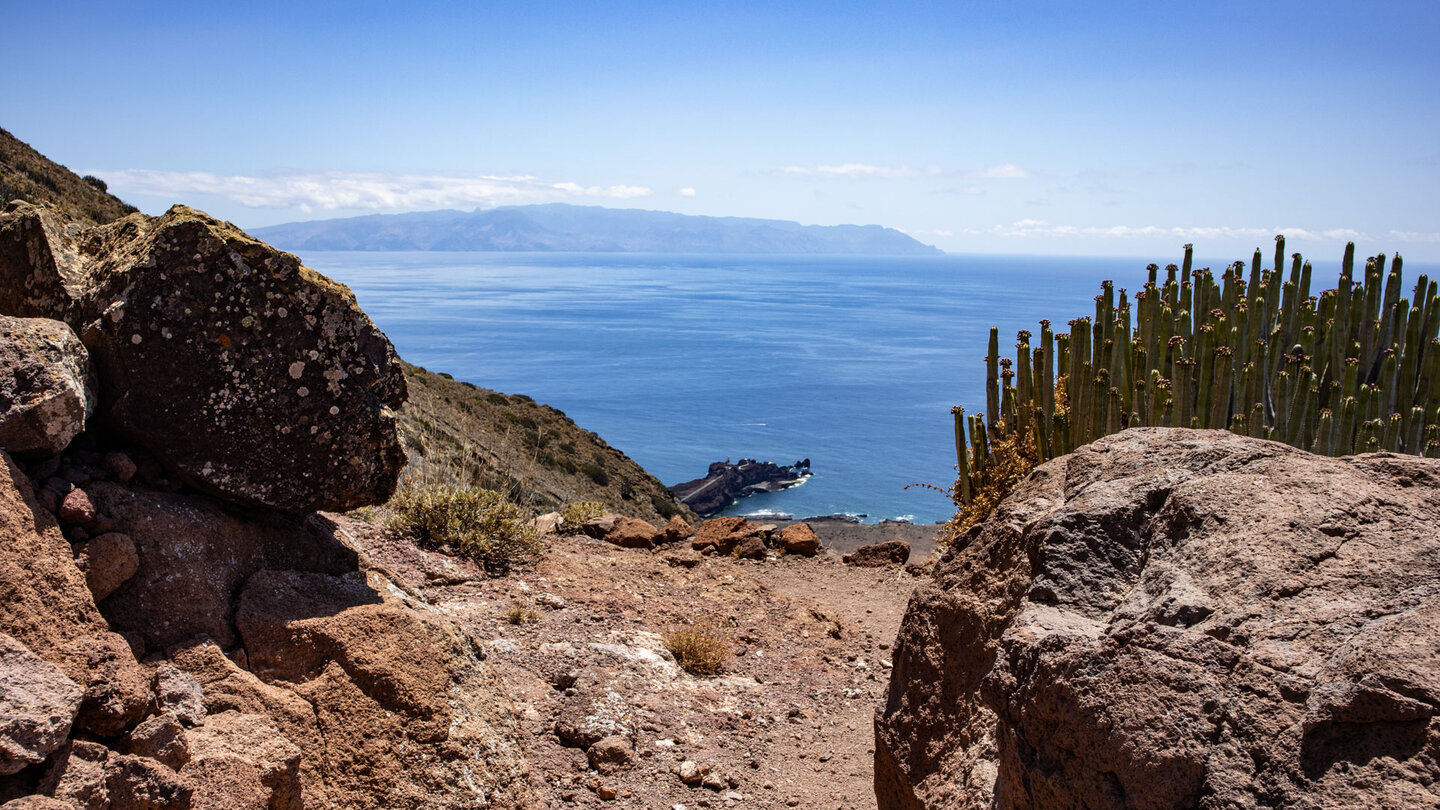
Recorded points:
(107, 561)
(1178, 618)
(631, 532)
(676, 530)
(37, 705)
(799, 538)
(77, 507)
(725, 534)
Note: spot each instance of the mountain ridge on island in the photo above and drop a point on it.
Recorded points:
(564, 227)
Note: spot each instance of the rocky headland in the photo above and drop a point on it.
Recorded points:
(724, 483)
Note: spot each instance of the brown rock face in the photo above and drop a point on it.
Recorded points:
(391, 685)
(1172, 618)
(250, 375)
(47, 387)
(37, 705)
(879, 555)
(676, 529)
(725, 534)
(46, 606)
(107, 561)
(195, 553)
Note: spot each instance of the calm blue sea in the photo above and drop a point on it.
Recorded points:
(681, 360)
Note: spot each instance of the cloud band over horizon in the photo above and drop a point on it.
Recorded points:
(379, 191)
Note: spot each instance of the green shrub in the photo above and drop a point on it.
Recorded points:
(476, 523)
(596, 473)
(576, 513)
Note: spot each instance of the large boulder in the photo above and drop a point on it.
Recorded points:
(47, 386)
(253, 377)
(1173, 618)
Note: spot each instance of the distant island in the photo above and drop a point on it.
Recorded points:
(562, 227)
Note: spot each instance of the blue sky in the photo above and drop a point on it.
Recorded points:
(1019, 127)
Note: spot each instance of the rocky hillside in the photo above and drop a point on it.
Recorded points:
(456, 432)
(28, 175)
(179, 627)
(1178, 618)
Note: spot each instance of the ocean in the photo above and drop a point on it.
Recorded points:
(682, 360)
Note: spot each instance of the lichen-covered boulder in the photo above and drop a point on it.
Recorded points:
(47, 386)
(252, 376)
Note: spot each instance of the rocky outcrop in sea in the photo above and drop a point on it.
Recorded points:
(1178, 618)
(725, 483)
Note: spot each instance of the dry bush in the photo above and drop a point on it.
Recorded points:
(576, 513)
(476, 523)
(699, 649)
(1011, 460)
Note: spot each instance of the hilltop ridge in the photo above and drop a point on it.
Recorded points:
(27, 175)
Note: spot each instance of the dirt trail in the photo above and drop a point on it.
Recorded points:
(787, 723)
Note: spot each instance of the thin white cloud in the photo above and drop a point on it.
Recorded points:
(1005, 171)
(359, 190)
(856, 170)
(1415, 236)
(1041, 228)
(687, 192)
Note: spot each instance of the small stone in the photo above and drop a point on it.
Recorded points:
(119, 466)
(689, 772)
(77, 507)
(611, 754)
(107, 562)
(180, 693)
(713, 781)
(161, 738)
(606, 792)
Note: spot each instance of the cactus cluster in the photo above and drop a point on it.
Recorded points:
(1353, 369)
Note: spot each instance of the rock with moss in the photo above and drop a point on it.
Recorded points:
(250, 375)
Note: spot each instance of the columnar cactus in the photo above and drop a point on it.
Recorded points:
(1354, 369)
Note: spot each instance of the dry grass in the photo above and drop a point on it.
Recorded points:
(699, 649)
(520, 614)
(476, 523)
